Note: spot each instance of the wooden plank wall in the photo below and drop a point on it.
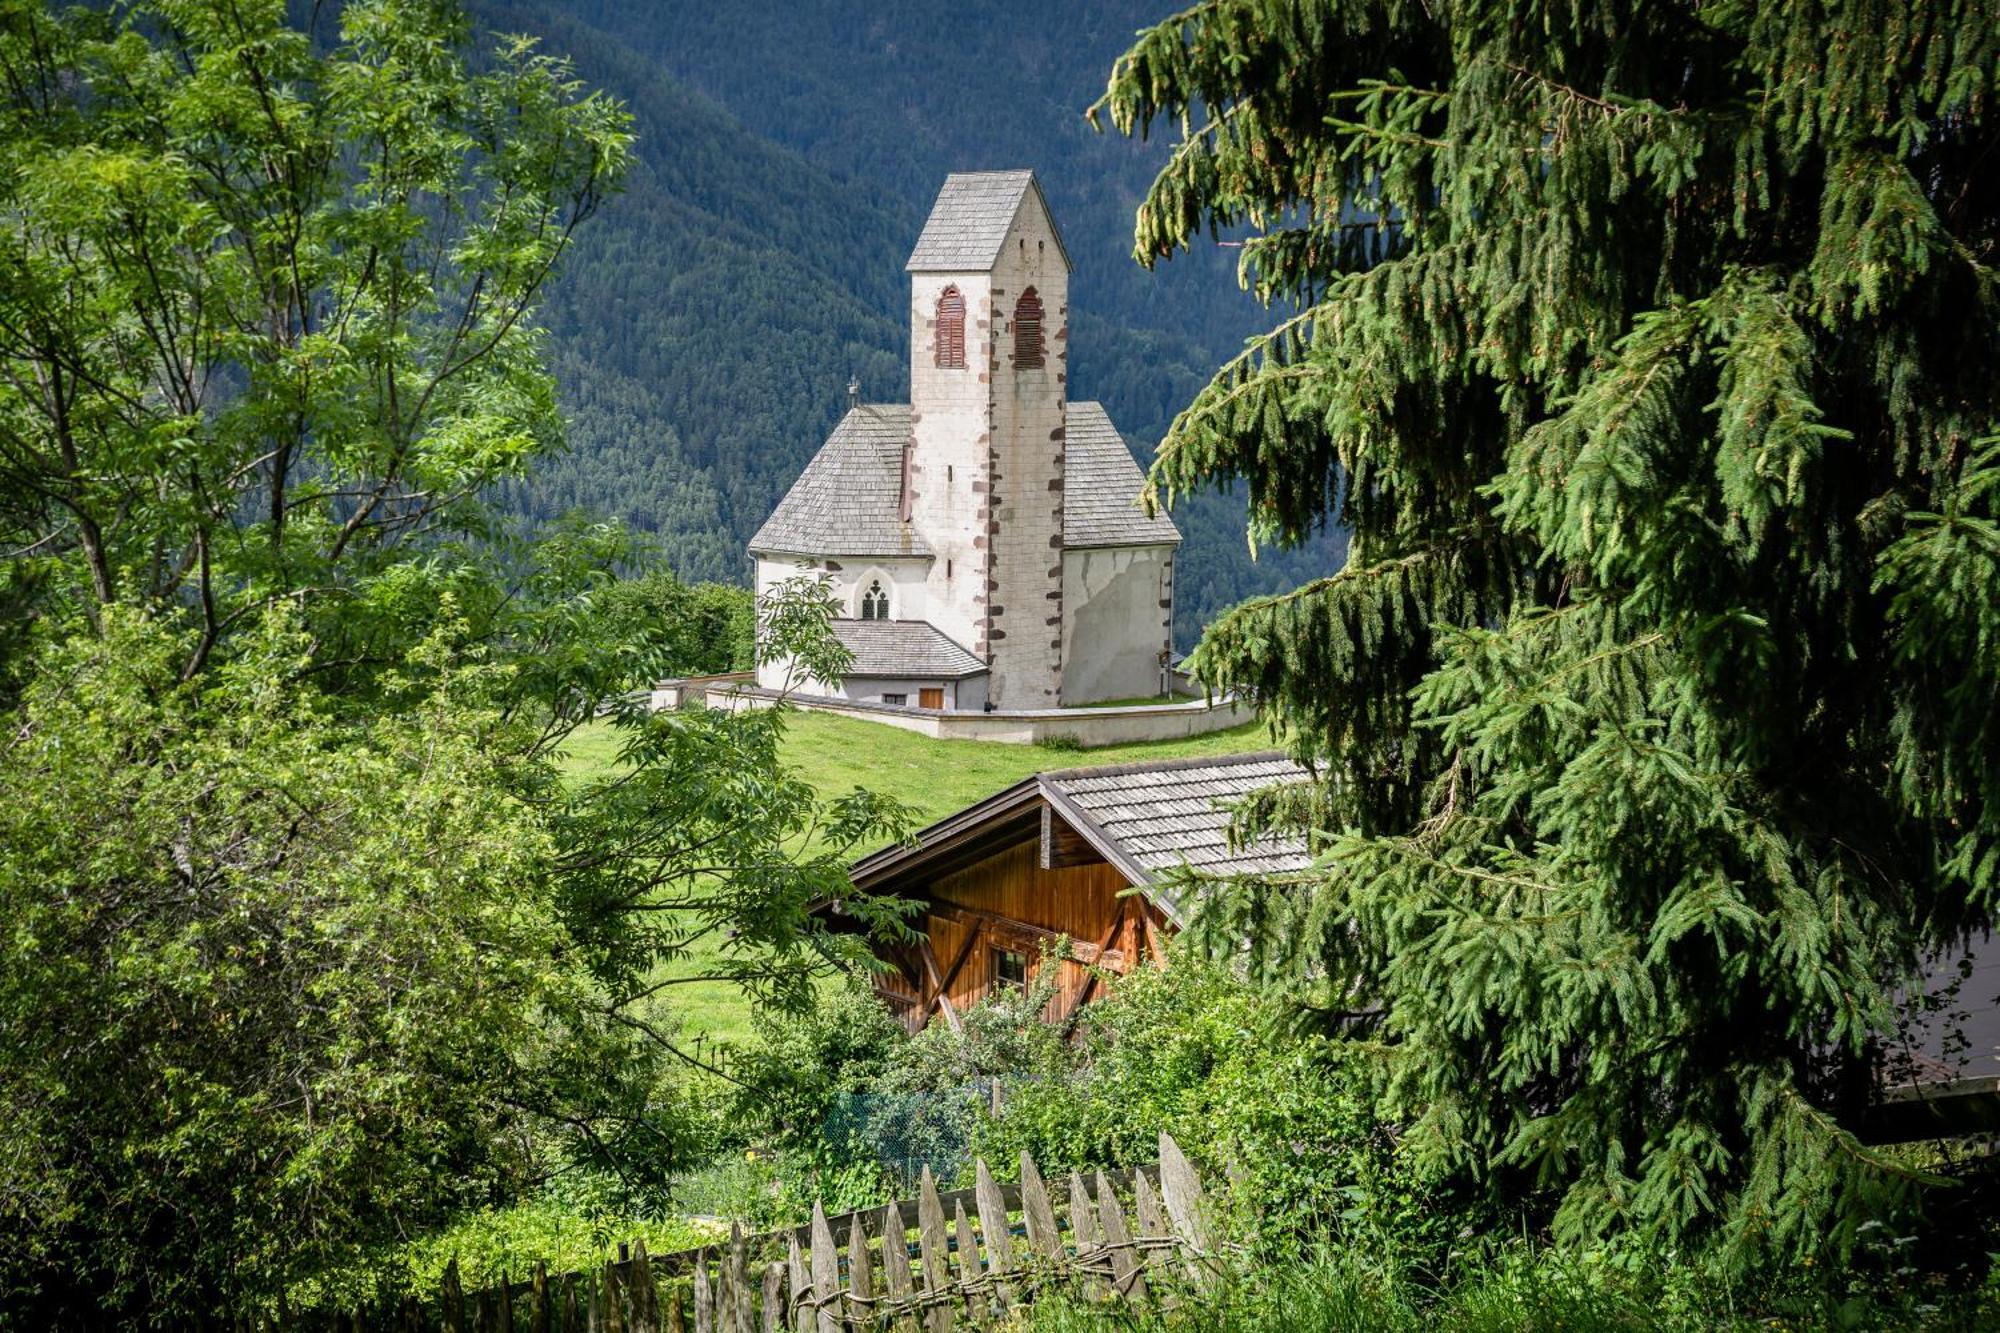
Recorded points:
(1008, 901)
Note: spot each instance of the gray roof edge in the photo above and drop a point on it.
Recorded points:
(857, 553)
(966, 673)
(1055, 228)
(885, 858)
(1044, 786)
(1167, 765)
(1120, 546)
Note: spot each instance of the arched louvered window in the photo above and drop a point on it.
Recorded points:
(951, 330)
(1028, 330)
(875, 602)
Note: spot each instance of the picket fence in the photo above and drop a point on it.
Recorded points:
(969, 1263)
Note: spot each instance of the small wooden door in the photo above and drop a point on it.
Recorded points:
(930, 698)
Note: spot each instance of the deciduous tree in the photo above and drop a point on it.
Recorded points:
(267, 301)
(310, 936)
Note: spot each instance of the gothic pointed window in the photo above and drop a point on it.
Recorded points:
(951, 330)
(1028, 330)
(874, 602)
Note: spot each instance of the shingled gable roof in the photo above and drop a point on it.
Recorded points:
(970, 220)
(1145, 819)
(845, 502)
(1101, 485)
(904, 650)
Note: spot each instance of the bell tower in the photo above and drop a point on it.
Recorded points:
(983, 469)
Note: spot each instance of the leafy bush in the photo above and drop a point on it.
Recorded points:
(794, 1078)
(794, 1072)
(571, 1226)
(1197, 1054)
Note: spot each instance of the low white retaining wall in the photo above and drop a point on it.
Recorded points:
(696, 689)
(1090, 727)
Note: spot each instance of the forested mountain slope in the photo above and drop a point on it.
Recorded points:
(706, 324)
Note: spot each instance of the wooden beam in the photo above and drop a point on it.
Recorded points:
(1944, 1109)
(964, 952)
(899, 955)
(937, 997)
(1063, 845)
(998, 927)
(1090, 982)
(1154, 945)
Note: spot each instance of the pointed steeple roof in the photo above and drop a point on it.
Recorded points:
(969, 222)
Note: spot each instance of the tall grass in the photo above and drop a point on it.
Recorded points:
(1529, 1291)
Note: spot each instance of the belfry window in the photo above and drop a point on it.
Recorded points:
(874, 602)
(1028, 330)
(951, 330)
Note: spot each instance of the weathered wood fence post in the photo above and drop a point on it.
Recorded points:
(453, 1299)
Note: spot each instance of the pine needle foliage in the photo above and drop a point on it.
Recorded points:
(1647, 351)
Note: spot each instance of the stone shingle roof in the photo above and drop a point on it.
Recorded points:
(904, 650)
(1101, 485)
(969, 221)
(1146, 820)
(845, 502)
(1166, 815)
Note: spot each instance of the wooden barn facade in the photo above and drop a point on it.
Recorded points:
(1056, 855)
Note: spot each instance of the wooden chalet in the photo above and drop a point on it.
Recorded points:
(1055, 855)
(1058, 854)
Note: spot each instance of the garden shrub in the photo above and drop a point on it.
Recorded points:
(1287, 1115)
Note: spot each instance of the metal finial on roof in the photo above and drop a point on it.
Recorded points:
(853, 392)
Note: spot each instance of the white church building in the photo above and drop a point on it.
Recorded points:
(985, 539)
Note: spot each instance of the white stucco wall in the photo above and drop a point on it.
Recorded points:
(1087, 726)
(960, 694)
(1118, 605)
(949, 431)
(904, 578)
(1024, 588)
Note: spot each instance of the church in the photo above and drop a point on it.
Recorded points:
(985, 539)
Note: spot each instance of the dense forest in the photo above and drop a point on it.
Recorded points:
(706, 327)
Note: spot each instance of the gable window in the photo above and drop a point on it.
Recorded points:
(1028, 330)
(1010, 971)
(951, 330)
(874, 601)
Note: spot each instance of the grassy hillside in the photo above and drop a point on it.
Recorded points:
(933, 777)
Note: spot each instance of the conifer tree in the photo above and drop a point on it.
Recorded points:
(1648, 352)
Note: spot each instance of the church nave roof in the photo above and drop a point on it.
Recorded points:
(1101, 485)
(845, 503)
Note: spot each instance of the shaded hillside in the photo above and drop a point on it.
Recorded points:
(706, 324)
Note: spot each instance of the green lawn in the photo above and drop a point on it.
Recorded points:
(938, 777)
(932, 777)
